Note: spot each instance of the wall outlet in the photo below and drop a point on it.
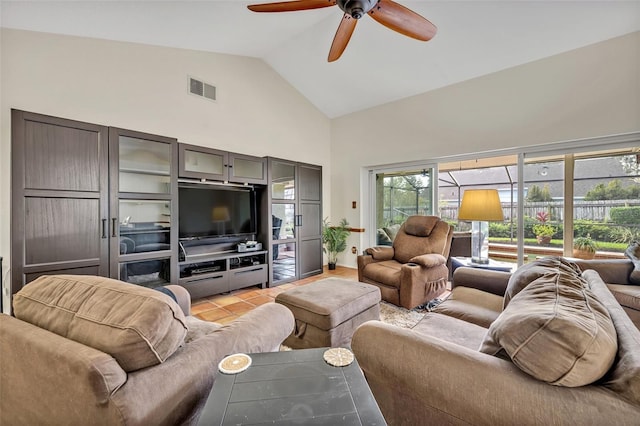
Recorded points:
(354, 250)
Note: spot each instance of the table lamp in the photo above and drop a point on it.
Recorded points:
(480, 206)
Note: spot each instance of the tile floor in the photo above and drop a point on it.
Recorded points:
(224, 308)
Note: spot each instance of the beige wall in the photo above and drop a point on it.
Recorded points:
(588, 92)
(144, 88)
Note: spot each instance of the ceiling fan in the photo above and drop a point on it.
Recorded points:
(387, 12)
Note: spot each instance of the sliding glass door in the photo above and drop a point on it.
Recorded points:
(574, 196)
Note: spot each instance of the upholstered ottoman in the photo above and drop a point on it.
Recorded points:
(328, 311)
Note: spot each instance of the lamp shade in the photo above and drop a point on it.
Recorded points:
(220, 214)
(481, 205)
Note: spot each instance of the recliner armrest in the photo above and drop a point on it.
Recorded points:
(429, 260)
(381, 252)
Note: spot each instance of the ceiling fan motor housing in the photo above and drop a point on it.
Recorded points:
(356, 8)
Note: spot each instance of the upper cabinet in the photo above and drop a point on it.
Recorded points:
(198, 162)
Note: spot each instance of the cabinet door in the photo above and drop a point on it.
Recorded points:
(309, 222)
(283, 219)
(143, 217)
(59, 211)
(283, 180)
(247, 169)
(202, 163)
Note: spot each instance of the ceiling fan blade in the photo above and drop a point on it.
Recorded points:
(405, 21)
(291, 6)
(342, 37)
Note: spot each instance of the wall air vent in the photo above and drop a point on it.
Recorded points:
(200, 88)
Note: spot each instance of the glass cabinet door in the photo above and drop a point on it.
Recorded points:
(247, 169)
(145, 226)
(283, 183)
(144, 166)
(143, 173)
(202, 163)
(148, 273)
(284, 237)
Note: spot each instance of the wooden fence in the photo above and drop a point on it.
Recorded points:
(598, 211)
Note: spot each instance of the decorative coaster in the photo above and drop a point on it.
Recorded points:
(234, 364)
(338, 357)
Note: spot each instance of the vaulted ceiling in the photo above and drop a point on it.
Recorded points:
(378, 66)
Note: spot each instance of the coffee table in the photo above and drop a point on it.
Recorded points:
(295, 386)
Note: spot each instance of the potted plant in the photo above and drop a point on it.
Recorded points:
(334, 239)
(543, 231)
(584, 248)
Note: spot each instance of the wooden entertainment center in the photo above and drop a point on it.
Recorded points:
(98, 200)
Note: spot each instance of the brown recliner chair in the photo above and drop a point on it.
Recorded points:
(412, 271)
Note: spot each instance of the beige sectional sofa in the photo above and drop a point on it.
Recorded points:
(547, 345)
(85, 350)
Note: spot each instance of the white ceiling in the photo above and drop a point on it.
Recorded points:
(474, 38)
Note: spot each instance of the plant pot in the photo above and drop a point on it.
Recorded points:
(584, 254)
(332, 266)
(543, 240)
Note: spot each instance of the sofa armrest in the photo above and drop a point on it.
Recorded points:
(182, 297)
(260, 330)
(418, 379)
(612, 271)
(482, 279)
(191, 371)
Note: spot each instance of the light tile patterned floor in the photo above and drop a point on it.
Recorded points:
(224, 308)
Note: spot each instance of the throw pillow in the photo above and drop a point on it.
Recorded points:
(633, 253)
(382, 238)
(138, 326)
(534, 270)
(392, 231)
(557, 331)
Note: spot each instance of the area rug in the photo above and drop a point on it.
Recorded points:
(401, 317)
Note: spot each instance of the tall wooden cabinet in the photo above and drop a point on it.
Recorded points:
(88, 199)
(60, 198)
(97, 200)
(293, 208)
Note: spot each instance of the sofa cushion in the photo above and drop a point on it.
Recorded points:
(454, 330)
(556, 330)
(386, 271)
(528, 273)
(471, 305)
(627, 295)
(633, 253)
(138, 326)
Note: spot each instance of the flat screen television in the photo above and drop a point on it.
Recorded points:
(209, 211)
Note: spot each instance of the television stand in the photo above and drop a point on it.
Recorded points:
(205, 273)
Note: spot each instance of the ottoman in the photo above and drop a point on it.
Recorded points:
(328, 311)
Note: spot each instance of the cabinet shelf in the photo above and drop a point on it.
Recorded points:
(145, 171)
(223, 272)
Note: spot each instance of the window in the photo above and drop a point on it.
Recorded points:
(400, 194)
(598, 183)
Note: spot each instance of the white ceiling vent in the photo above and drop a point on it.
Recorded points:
(200, 88)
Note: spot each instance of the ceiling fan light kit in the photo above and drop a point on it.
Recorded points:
(386, 12)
